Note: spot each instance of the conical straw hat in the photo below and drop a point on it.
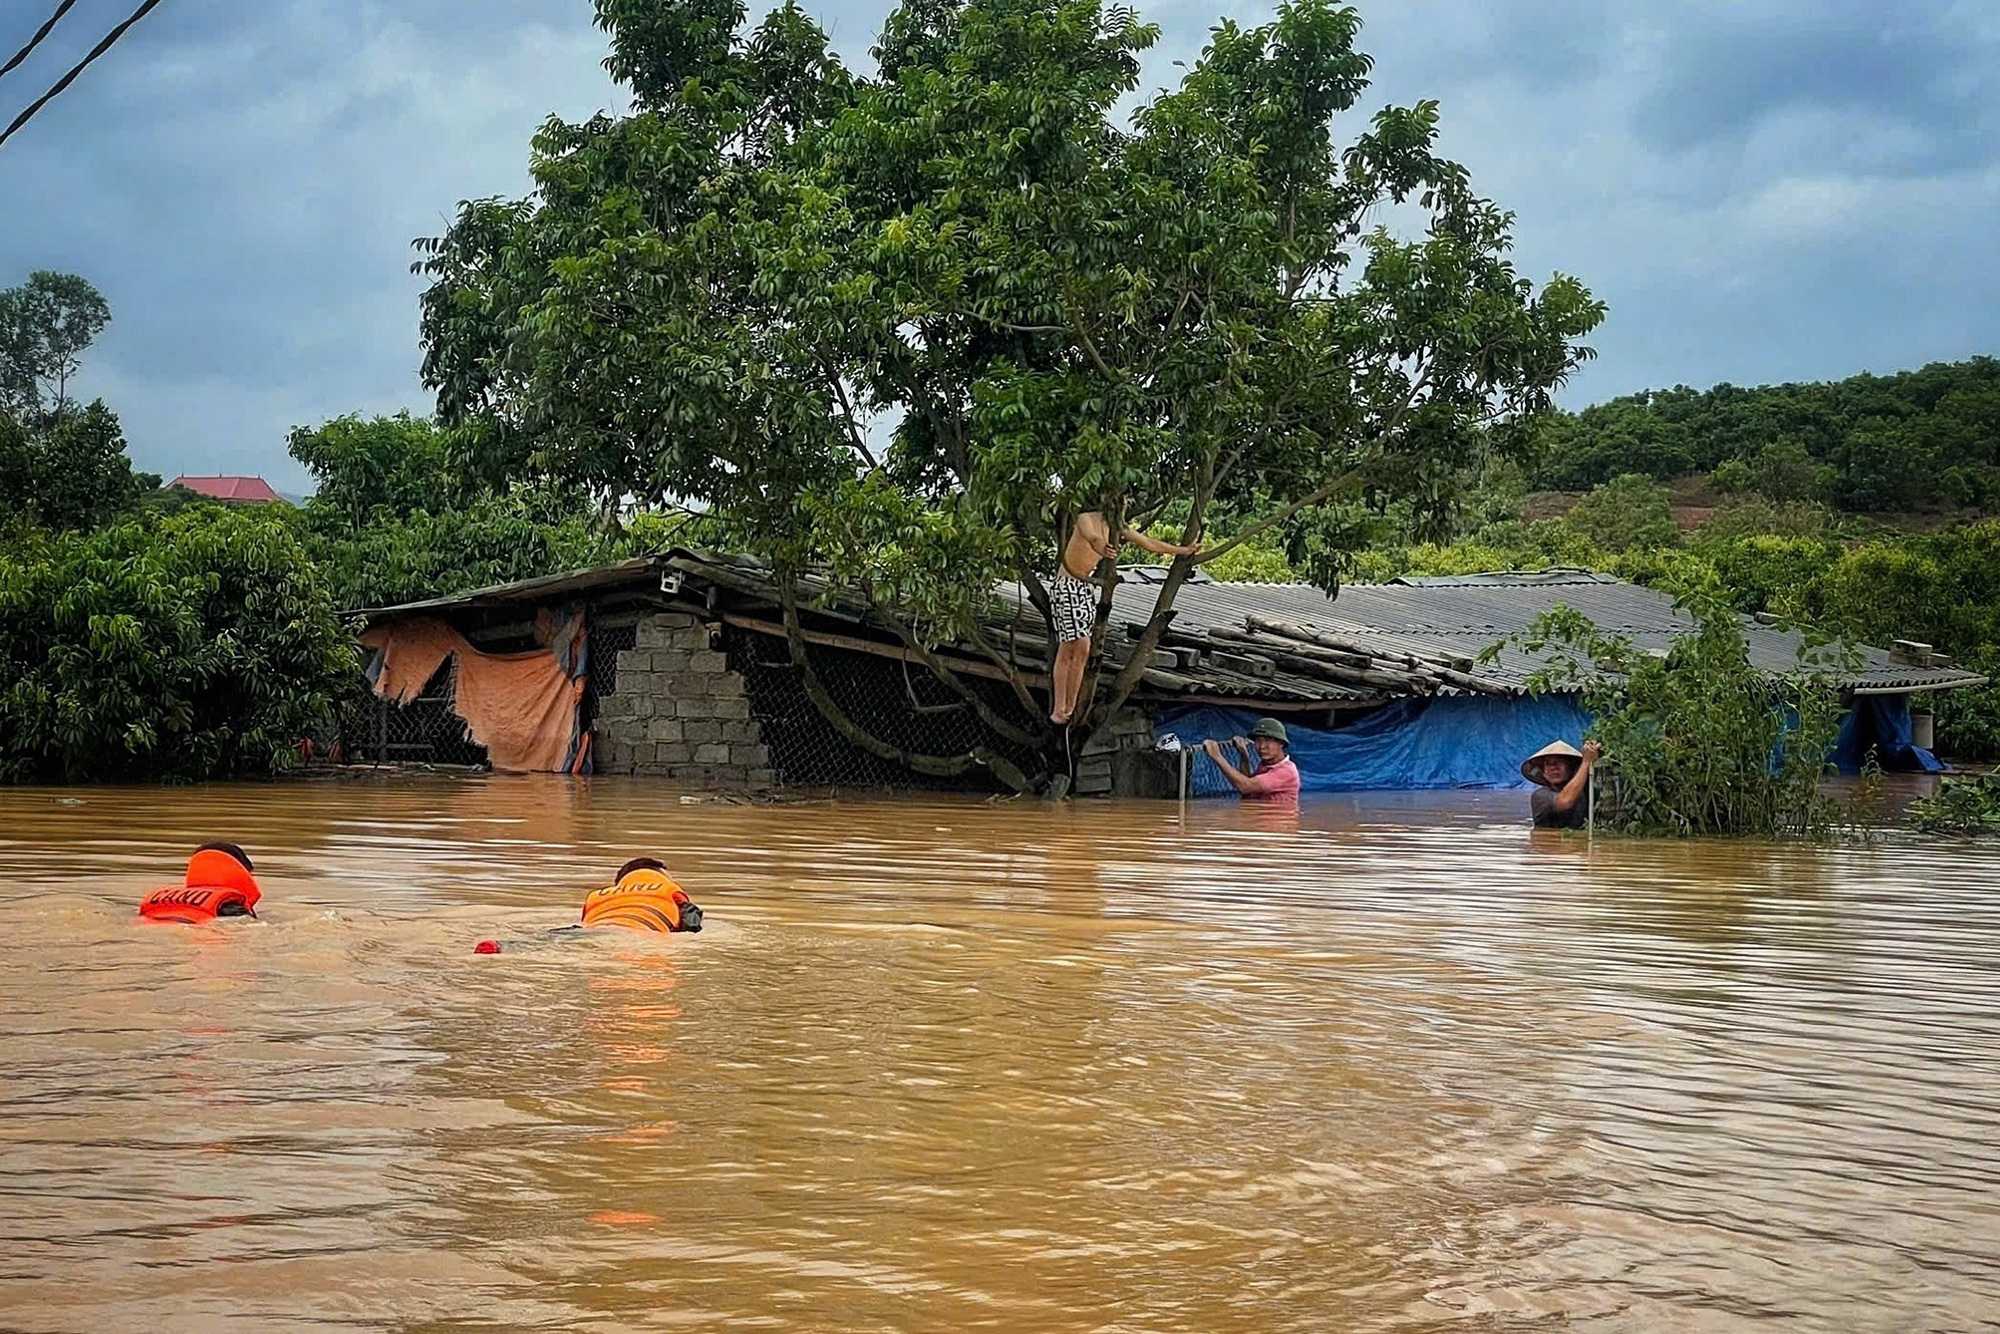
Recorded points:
(1531, 768)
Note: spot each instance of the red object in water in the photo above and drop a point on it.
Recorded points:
(487, 947)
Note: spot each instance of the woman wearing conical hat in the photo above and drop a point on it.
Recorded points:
(1561, 775)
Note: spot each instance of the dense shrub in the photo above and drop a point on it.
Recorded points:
(1915, 440)
(1627, 511)
(1960, 806)
(202, 646)
(1698, 742)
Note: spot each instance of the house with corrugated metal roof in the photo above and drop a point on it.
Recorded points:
(691, 676)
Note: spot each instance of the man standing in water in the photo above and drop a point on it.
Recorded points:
(1073, 599)
(1273, 774)
(1561, 775)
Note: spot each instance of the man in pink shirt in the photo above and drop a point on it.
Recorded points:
(1274, 774)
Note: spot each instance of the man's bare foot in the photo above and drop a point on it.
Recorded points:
(1059, 718)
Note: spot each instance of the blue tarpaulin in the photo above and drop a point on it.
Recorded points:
(1882, 722)
(1411, 745)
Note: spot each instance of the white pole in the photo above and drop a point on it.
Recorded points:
(1590, 807)
(1185, 761)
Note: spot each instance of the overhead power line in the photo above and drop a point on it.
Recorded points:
(40, 33)
(110, 40)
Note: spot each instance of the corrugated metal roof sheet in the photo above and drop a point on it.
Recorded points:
(1455, 616)
(1463, 617)
(636, 571)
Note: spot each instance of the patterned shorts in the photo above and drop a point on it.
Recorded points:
(1074, 602)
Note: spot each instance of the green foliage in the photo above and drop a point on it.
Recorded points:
(1254, 563)
(1968, 721)
(1754, 516)
(203, 646)
(67, 468)
(1960, 806)
(1698, 742)
(421, 554)
(900, 324)
(1916, 440)
(393, 464)
(45, 324)
(1627, 511)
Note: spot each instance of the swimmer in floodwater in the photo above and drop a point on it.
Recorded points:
(218, 884)
(643, 898)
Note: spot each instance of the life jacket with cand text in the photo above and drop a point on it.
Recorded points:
(217, 885)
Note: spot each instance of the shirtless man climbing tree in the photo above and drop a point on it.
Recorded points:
(1073, 598)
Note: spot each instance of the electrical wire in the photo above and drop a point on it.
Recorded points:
(66, 80)
(40, 33)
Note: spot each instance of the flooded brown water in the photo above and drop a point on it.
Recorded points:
(938, 1064)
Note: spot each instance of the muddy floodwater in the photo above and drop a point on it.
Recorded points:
(1387, 1064)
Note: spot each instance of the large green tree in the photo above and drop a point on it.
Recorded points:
(200, 646)
(898, 326)
(67, 469)
(45, 324)
(364, 464)
(61, 465)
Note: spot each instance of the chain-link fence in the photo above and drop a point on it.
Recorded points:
(606, 643)
(424, 731)
(900, 703)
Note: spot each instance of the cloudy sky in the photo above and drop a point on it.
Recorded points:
(1762, 191)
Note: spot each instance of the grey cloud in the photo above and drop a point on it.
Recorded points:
(1760, 191)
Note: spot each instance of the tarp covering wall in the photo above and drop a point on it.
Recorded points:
(521, 706)
(1882, 723)
(1411, 745)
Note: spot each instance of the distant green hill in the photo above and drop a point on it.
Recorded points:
(1918, 440)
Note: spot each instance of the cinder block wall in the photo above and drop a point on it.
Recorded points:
(679, 712)
(1110, 765)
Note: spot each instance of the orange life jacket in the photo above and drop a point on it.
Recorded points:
(217, 885)
(646, 900)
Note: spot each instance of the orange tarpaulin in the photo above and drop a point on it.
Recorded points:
(520, 706)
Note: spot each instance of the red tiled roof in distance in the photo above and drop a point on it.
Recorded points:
(240, 490)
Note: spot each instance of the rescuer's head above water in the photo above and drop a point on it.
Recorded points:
(218, 884)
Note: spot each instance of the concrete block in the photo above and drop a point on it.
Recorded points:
(749, 754)
(737, 706)
(671, 661)
(694, 639)
(689, 685)
(714, 752)
(710, 661)
(701, 729)
(673, 752)
(738, 729)
(654, 631)
(761, 777)
(664, 729)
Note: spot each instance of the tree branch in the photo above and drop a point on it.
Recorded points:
(994, 721)
(1347, 479)
(933, 765)
(847, 413)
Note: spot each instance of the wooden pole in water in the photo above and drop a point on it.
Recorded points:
(1590, 807)
(1185, 769)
